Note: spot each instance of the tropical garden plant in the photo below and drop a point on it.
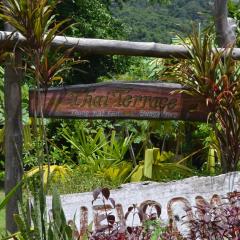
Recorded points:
(209, 221)
(214, 75)
(36, 221)
(160, 166)
(103, 152)
(35, 21)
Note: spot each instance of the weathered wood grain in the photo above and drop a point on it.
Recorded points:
(118, 100)
(91, 46)
(13, 76)
(225, 33)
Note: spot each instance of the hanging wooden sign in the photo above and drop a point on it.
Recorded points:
(141, 100)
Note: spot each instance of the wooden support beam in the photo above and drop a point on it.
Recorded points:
(13, 136)
(88, 46)
(118, 100)
(224, 29)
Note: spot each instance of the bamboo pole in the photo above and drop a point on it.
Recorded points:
(89, 46)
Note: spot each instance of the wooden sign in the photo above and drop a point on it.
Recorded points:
(118, 100)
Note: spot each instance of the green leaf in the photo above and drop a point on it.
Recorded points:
(13, 191)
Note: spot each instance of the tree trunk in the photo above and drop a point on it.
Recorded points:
(224, 30)
(13, 137)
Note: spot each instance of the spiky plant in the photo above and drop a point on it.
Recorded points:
(214, 75)
(37, 23)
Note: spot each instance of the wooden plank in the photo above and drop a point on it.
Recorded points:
(118, 100)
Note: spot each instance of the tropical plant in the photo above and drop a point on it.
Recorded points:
(160, 167)
(53, 173)
(33, 220)
(214, 75)
(216, 221)
(212, 166)
(83, 179)
(116, 173)
(150, 226)
(36, 22)
(96, 149)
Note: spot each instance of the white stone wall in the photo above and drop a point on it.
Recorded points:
(136, 193)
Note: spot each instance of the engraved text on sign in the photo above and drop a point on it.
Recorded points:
(121, 100)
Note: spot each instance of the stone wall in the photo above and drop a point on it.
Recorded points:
(172, 197)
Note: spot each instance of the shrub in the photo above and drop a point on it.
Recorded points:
(216, 221)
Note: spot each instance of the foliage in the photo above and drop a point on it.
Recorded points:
(97, 149)
(150, 226)
(206, 133)
(217, 222)
(92, 19)
(103, 153)
(58, 154)
(130, 69)
(82, 179)
(214, 76)
(32, 221)
(159, 22)
(36, 22)
(160, 167)
(51, 173)
(2, 216)
(159, 133)
(100, 155)
(150, 229)
(116, 173)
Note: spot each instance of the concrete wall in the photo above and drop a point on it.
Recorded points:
(166, 194)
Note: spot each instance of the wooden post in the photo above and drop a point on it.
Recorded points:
(13, 136)
(224, 30)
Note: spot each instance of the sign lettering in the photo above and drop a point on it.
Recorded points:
(118, 100)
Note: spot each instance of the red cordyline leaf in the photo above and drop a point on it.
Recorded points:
(215, 88)
(96, 193)
(121, 236)
(106, 192)
(130, 230)
(130, 209)
(111, 219)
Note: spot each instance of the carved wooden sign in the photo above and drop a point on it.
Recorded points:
(118, 100)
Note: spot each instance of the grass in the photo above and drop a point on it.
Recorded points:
(2, 214)
(82, 181)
